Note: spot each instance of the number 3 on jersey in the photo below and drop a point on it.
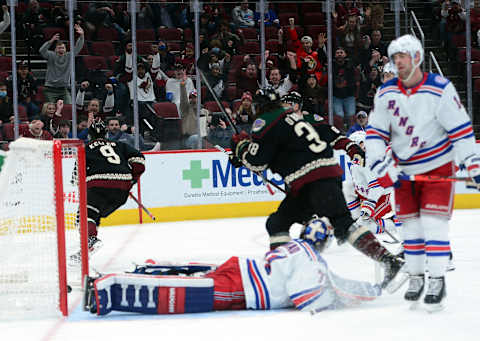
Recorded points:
(109, 153)
(302, 128)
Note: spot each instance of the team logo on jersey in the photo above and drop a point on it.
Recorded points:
(317, 117)
(440, 80)
(258, 125)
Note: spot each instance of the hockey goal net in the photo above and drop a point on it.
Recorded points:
(42, 221)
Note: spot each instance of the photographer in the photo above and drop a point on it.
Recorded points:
(218, 131)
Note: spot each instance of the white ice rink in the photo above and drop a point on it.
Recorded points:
(386, 319)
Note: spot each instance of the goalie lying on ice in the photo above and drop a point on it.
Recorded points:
(293, 275)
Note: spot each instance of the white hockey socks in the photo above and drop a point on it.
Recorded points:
(437, 244)
(414, 246)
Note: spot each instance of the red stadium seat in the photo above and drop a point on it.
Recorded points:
(49, 32)
(313, 18)
(67, 112)
(169, 34)
(272, 46)
(314, 30)
(103, 48)
(271, 32)
(144, 48)
(146, 35)
(174, 47)
(213, 106)
(462, 55)
(283, 17)
(111, 60)
(5, 63)
(250, 47)
(287, 7)
(187, 35)
(166, 110)
(231, 92)
(476, 70)
(95, 63)
(8, 131)
(459, 40)
(40, 97)
(476, 86)
(250, 33)
(311, 7)
(22, 113)
(107, 34)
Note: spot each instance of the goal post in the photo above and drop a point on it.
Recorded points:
(43, 220)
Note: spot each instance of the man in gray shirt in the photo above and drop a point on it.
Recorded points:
(57, 80)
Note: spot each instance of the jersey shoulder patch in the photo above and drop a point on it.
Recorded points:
(266, 120)
(258, 125)
(440, 80)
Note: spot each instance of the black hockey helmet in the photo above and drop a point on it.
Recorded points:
(293, 97)
(97, 130)
(266, 96)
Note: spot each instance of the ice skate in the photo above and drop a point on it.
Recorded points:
(451, 265)
(436, 293)
(94, 244)
(415, 289)
(89, 303)
(394, 278)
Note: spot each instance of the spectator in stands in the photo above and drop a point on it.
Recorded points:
(361, 122)
(230, 41)
(305, 53)
(36, 130)
(57, 79)
(163, 59)
(350, 38)
(115, 133)
(248, 78)
(187, 58)
(216, 71)
(33, 21)
(6, 19)
(172, 87)
(455, 23)
(368, 89)
(27, 89)
(164, 14)
(378, 44)
(245, 114)
(94, 104)
(345, 86)
(83, 123)
(6, 108)
(270, 16)
(64, 128)
(275, 80)
(102, 14)
(219, 132)
(51, 116)
(243, 16)
(313, 94)
(190, 124)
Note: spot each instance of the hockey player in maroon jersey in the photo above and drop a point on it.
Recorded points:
(292, 275)
(112, 169)
(288, 145)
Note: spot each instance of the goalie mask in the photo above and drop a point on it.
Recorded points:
(97, 130)
(407, 44)
(319, 232)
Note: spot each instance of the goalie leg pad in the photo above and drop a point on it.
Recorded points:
(149, 294)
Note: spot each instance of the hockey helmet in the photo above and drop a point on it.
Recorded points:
(358, 137)
(407, 44)
(293, 97)
(97, 130)
(319, 232)
(265, 96)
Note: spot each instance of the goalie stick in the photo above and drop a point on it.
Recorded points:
(234, 127)
(141, 206)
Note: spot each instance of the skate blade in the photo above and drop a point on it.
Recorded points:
(397, 282)
(434, 308)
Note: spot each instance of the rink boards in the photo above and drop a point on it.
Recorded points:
(189, 185)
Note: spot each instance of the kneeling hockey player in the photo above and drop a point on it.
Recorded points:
(292, 275)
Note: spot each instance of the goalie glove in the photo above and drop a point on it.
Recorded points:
(366, 210)
(387, 173)
(356, 153)
(472, 164)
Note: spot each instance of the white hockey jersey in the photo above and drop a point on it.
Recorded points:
(296, 275)
(422, 125)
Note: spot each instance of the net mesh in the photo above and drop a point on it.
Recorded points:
(29, 269)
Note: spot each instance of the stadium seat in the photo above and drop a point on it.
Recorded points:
(462, 55)
(146, 34)
(314, 30)
(459, 40)
(250, 47)
(169, 34)
(476, 86)
(283, 17)
(107, 34)
(40, 97)
(102, 48)
(231, 92)
(167, 110)
(111, 60)
(8, 131)
(5, 63)
(67, 112)
(188, 35)
(310, 7)
(271, 32)
(272, 46)
(299, 30)
(49, 32)
(250, 33)
(174, 47)
(236, 104)
(95, 63)
(144, 48)
(212, 106)
(22, 113)
(476, 70)
(313, 18)
(237, 61)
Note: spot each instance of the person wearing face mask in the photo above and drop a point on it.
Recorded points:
(162, 58)
(6, 109)
(27, 89)
(57, 79)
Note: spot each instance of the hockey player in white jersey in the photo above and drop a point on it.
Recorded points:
(292, 275)
(421, 117)
(368, 202)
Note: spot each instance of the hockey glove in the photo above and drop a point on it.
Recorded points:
(387, 173)
(356, 153)
(239, 143)
(366, 210)
(235, 161)
(472, 164)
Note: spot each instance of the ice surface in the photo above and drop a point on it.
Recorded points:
(387, 318)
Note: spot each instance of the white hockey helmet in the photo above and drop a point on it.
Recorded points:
(390, 68)
(358, 137)
(407, 44)
(319, 232)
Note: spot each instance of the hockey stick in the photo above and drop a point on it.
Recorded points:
(235, 129)
(434, 178)
(141, 206)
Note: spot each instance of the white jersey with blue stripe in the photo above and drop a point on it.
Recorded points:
(424, 125)
(293, 274)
